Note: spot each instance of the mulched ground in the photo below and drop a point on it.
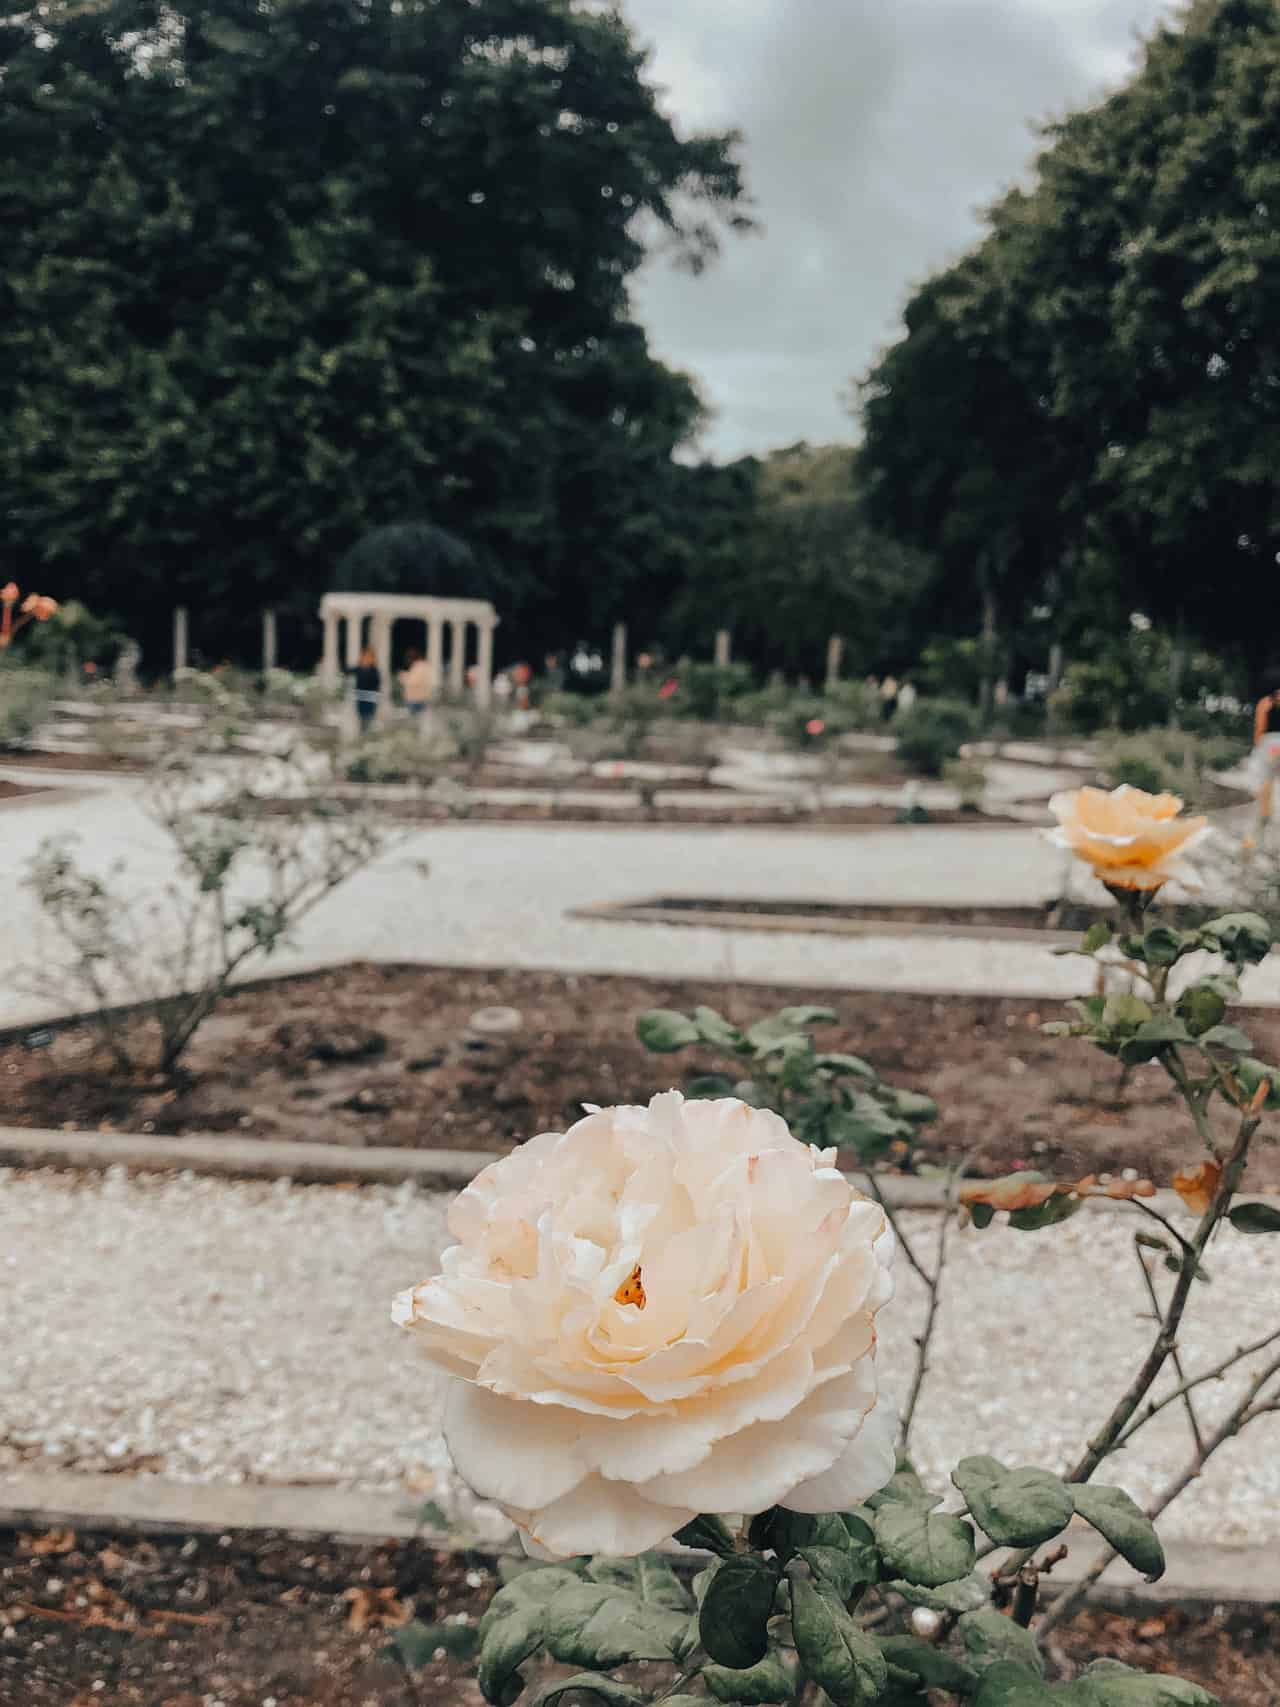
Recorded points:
(386, 1055)
(228, 1621)
(555, 811)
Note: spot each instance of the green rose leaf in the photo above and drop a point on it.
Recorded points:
(832, 1566)
(1106, 1683)
(736, 1609)
(1097, 936)
(1016, 1508)
(599, 1625)
(1125, 1525)
(989, 1636)
(1245, 938)
(904, 1487)
(1226, 1037)
(593, 1683)
(659, 1585)
(416, 1644)
(1254, 1218)
(1060, 1207)
(1007, 1684)
(967, 1594)
(1250, 1073)
(842, 1659)
(513, 1628)
(861, 1549)
(1153, 1037)
(715, 1029)
(801, 1018)
(664, 1031)
(923, 1546)
(853, 1064)
(710, 1534)
(915, 1107)
(1123, 1013)
(1202, 1007)
(772, 1680)
(935, 1668)
(1162, 945)
(618, 1573)
(708, 1087)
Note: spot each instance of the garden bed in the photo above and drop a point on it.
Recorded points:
(726, 811)
(16, 790)
(114, 1621)
(369, 1055)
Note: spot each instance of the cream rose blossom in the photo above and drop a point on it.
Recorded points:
(661, 1312)
(1133, 840)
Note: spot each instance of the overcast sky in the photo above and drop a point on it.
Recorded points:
(875, 130)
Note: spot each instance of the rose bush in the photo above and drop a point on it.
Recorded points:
(1131, 839)
(662, 1312)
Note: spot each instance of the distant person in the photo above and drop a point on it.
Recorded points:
(1266, 756)
(416, 683)
(367, 683)
(888, 697)
(907, 696)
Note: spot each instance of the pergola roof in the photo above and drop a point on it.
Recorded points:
(416, 605)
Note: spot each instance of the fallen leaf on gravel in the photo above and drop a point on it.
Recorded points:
(1198, 1186)
(1014, 1191)
(54, 1541)
(376, 1609)
(1150, 1629)
(1122, 1190)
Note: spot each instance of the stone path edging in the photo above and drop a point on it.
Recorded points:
(1198, 1574)
(330, 1164)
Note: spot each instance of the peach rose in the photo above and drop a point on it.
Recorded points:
(661, 1312)
(1133, 840)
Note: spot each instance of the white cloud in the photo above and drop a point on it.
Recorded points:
(875, 131)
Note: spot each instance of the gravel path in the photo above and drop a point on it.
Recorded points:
(501, 895)
(239, 1331)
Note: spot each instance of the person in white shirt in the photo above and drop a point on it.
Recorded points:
(416, 684)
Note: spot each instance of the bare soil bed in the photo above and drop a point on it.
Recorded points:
(371, 1055)
(114, 1621)
(557, 810)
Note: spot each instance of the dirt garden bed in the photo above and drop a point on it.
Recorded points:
(371, 1055)
(554, 809)
(114, 1621)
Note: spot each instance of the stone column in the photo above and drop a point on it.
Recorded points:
(179, 638)
(268, 640)
(354, 637)
(484, 668)
(835, 658)
(724, 641)
(457, 655)
(618, 675)
(381, 641)
(329, 658)
(435, 660)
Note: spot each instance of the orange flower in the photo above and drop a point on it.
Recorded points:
(1133, 840)
(1198, 1186)
(9, 592)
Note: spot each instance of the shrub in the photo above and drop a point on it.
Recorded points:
(1167, 761)
(969, 781)
(933, 731)
(709, 691)
(247, 870)
(26, 698)
(404, 753)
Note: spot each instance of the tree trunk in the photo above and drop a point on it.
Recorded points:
(988, 650)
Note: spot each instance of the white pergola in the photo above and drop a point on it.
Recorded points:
(370, 618)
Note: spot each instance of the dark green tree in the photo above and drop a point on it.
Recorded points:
(277, 272)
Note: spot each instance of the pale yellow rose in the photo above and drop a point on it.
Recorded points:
(1133, 840)
(663, 1311)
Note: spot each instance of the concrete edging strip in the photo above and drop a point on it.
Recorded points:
(332, 1164)
(1198, 1573)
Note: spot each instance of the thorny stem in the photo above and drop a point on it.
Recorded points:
(903, 1242)
(1163, 1220)
(1237, 1418)
(1104, 1443)
(1214, 1374)
(1174, 1355)
(1176, 1069)
(934, 1285)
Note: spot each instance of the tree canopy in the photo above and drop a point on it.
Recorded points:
(1087, 407)
(278, 272)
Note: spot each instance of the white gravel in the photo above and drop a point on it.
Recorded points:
(239, 1331)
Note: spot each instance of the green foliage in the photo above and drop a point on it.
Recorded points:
(838, 1656)
(403, 753)
(1125, 1525)
(923, 1545)
(1254, 1218)
(933, 732)
(1165, 761)
(307, 265)
(826, 1098)
(26, 699)
(1016, 1508)
(734, 1617)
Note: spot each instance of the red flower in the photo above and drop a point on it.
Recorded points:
(669, 688)
(815, 726)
